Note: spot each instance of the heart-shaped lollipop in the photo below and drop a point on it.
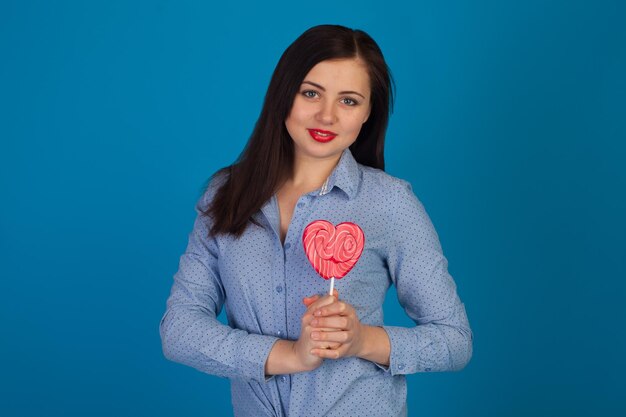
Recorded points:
(333, 251)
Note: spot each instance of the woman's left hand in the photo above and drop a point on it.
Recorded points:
(346, 328)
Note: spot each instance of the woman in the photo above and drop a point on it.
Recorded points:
(316, 153)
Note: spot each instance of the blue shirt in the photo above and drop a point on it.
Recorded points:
(261, 282)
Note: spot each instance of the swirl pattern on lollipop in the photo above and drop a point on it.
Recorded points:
(333, 251)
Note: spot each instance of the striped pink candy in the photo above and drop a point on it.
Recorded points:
(333, 251)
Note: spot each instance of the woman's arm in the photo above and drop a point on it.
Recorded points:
(192, 335)
(442, 339)
(190, 332)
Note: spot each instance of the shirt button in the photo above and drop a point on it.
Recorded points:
(287, 245)
(283, 378)
(401, 367)
(279, 333)
(300, 205)
(279, 288)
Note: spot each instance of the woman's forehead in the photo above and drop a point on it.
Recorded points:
(340, 75)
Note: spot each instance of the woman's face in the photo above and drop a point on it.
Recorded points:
(331, 106)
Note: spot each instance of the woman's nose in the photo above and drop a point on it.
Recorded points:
(326, 113)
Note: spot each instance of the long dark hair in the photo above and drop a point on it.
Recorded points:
(267, 159)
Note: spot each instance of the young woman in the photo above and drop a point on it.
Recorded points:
(316, 152)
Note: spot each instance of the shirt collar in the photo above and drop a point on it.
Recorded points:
(345, 176)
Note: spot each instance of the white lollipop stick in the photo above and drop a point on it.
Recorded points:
(332, 285)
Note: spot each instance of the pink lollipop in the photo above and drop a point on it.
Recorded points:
(333, 251)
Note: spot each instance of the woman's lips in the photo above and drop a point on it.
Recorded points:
(322, 135)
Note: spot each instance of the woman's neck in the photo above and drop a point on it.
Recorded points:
(310, 173)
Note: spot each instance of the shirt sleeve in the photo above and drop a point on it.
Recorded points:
(442, 339)
(190, 332)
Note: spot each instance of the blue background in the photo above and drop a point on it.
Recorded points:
(509, 123)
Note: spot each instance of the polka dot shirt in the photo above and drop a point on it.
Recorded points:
(261, 283)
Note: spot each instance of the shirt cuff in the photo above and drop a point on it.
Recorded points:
(383, 367)
(405, 348)
(253, 355)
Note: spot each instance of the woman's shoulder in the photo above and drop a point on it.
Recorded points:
(210, 188)
(385, 184)
(395, 196)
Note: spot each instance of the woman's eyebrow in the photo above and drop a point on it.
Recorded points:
(323, 89)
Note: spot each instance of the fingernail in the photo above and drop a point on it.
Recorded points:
(318, 313)
(314, 322)
(315, 335)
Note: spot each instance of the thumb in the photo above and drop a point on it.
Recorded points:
(307, 301)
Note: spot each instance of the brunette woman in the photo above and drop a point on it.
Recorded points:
(316, 152)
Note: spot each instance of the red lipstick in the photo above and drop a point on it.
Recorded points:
(322, 135)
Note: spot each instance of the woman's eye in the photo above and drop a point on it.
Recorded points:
(349, 102)
(309, 94)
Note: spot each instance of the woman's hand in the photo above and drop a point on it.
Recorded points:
(303, 348)
(337, 325)
(288, 356)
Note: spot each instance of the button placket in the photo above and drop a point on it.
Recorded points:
(294, 224)
(279, 320)
(291, 248)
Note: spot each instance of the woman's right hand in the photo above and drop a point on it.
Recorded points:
(303, 346)
(288, 356)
